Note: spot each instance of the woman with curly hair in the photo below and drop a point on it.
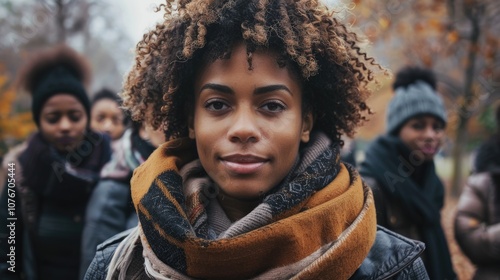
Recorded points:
(254, 96)
(56, 170)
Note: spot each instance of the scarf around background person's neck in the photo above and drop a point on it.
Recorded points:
(319, 223)
(67, 177)
(391, 163)
(131, 150)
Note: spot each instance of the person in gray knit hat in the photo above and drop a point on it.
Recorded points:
(418, 98)
(399, 167)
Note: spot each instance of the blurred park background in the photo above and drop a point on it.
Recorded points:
(458, 39)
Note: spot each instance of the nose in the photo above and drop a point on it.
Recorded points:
(107, 125)
(244, 127)
(430, 132)
(65, 124)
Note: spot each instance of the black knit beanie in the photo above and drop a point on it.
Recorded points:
(59, 70)
(57, 81)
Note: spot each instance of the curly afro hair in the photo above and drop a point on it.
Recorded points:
(305, 34)
(40, 64)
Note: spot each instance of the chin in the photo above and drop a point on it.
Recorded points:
(244, 195)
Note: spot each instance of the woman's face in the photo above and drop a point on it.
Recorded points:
(63, 122)
(154, 136)
(248, 124)
(423, 134)
(107, 117)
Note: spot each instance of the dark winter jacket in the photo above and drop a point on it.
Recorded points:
(408, 199)
(477, 224)
(110, 210)
(391, 257)
(48, 203)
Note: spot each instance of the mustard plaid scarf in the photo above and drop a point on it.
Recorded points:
(318, 224)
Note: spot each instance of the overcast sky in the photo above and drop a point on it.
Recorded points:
(138, 16)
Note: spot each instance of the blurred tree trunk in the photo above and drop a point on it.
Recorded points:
(473, 12)
(60, 21)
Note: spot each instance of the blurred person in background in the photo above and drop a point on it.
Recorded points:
(56, 170)
(110, 210)
(399, 167)
(107, 116)
(477, 221)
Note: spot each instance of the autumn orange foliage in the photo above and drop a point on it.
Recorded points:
(14, 126)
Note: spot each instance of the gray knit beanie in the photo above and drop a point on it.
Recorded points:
(415, 99)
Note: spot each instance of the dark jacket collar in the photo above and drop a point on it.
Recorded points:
(390, 255)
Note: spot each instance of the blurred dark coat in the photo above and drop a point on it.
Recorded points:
(477, 224)
(51, 193)
(110, 209)
(408, 199)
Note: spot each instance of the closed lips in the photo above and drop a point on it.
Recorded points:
(243, 164)
(65, 140)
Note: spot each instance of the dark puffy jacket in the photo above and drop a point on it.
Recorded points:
(392, 214)
(49, 213)
(477, 225)
(391, 257)
(409, 197)
(110, 210)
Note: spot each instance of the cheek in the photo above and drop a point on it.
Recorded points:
(81, 126)
(409, 138)
(440, 139)
(48, 131)
(205, 148)
(118, 128)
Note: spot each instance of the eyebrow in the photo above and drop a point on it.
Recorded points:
(59, 112)
(257, 91)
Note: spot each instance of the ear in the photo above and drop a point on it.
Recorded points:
(191, 126)
(307, 125)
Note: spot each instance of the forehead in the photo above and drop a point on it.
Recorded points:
(426, 118)
(62, 102)
(254, 63)
(106, 106)
(104, 102)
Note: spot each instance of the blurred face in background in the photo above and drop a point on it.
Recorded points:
(423, 134)
(107, 117)
(155, 137)
(63, 122)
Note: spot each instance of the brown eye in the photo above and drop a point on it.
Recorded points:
(418, 125)
(274, 106)
(216, 105)
(117, 120)
(438, 126)
(52, 118)
(75, 117)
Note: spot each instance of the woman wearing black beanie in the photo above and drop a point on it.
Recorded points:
(55, 172)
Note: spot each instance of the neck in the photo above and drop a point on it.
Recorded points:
(235, 208)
